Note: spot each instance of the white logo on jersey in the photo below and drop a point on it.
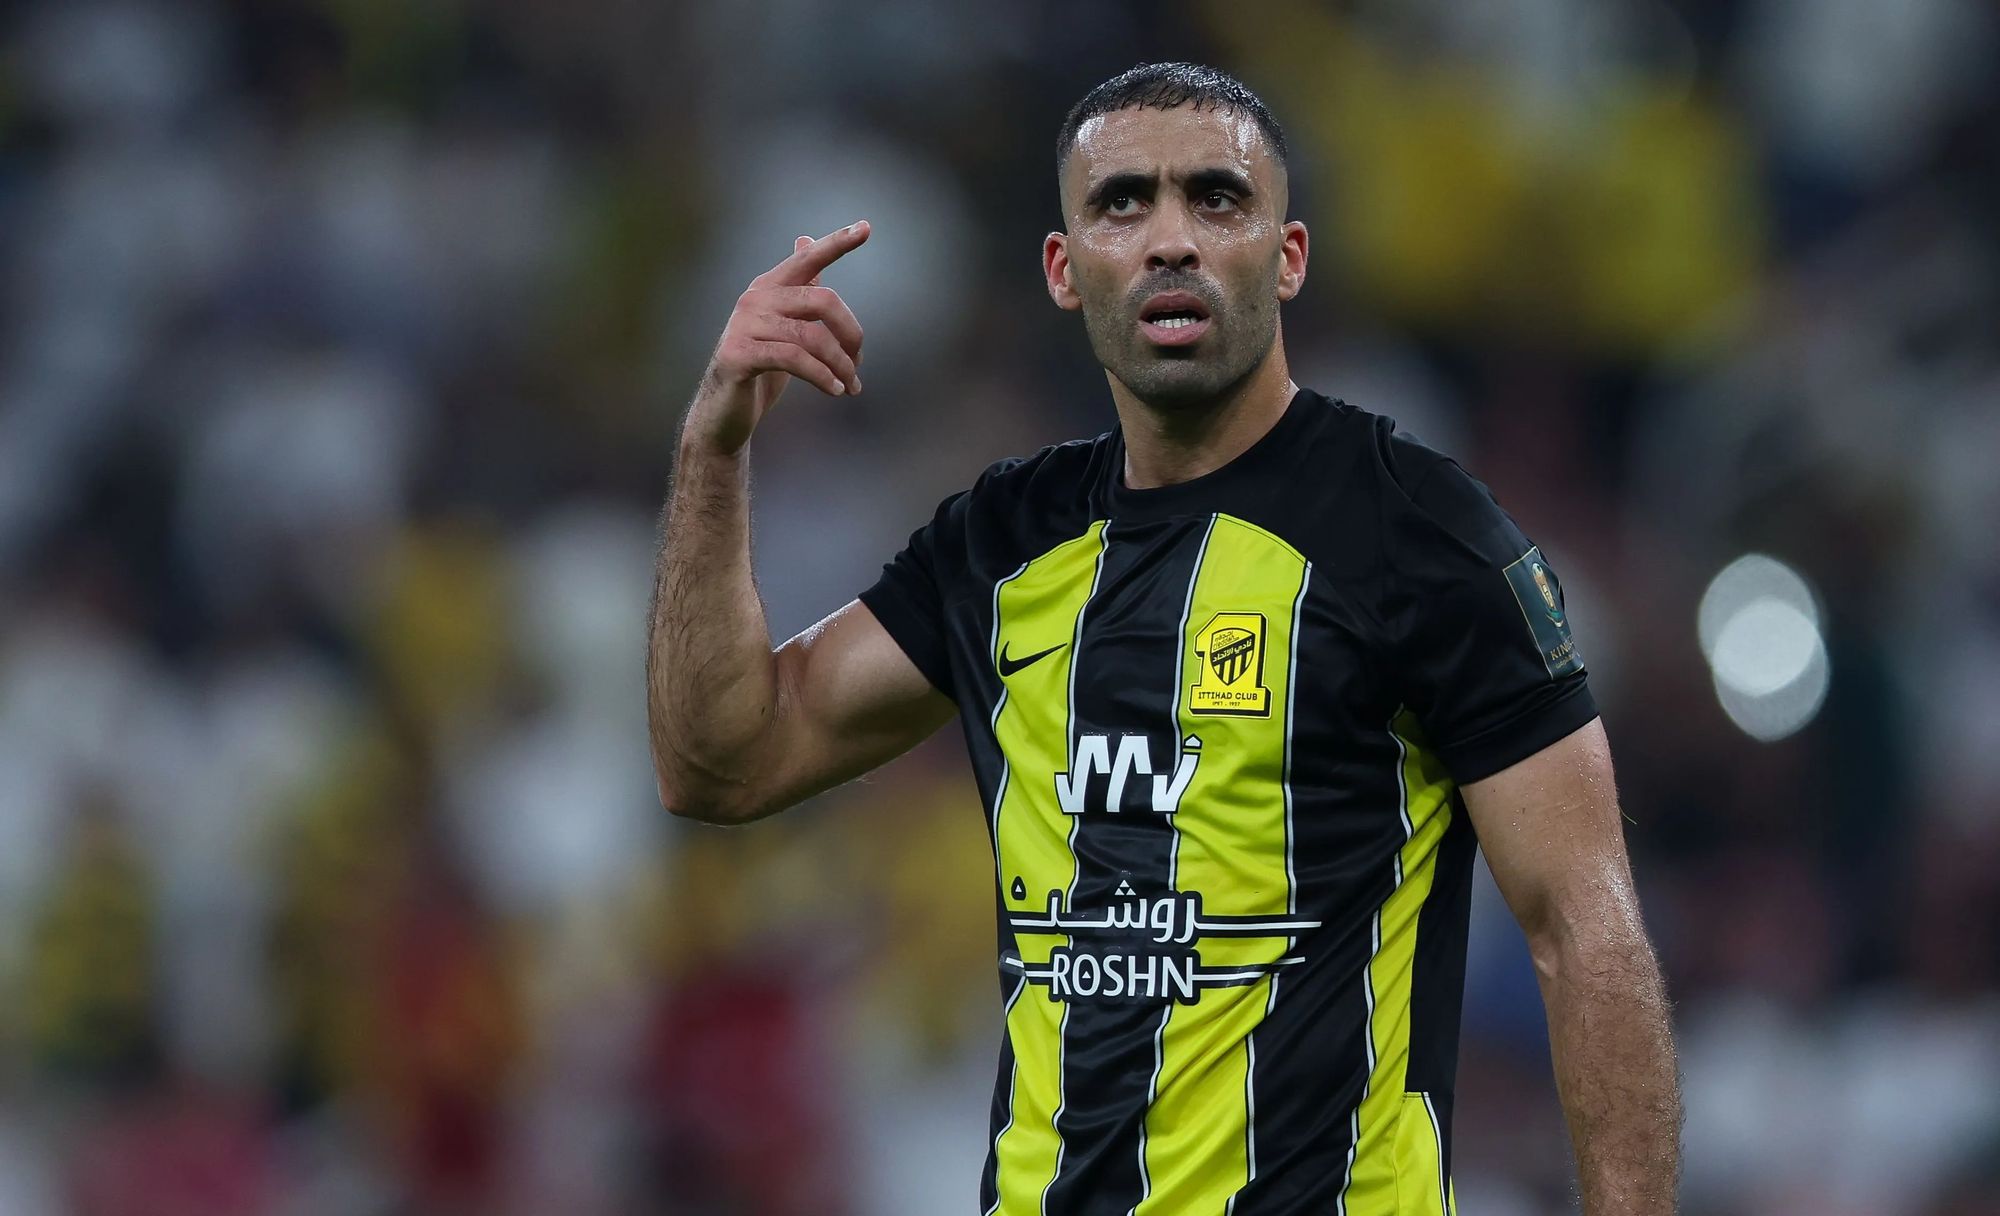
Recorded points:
(1134, 758)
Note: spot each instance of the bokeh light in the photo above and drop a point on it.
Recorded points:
(1759, 624)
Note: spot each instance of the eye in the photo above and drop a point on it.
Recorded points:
(1115, 204)
(1218, 200)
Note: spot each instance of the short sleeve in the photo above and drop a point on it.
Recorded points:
(909, 598)
(1482, 645)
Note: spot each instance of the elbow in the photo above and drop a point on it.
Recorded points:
(1549, 932)
(1546, 949)
(1570, 949)
(695, 809)
(701, 801)
(687, 788)
(725, 786)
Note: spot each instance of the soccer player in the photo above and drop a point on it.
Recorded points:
(1245, 682)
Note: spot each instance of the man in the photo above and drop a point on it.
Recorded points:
(1245, 683)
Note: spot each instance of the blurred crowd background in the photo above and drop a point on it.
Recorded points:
(344, 345)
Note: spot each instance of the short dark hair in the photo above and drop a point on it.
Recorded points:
(1164, 86)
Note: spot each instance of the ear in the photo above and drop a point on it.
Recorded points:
(1055, 270)
(1292, 261)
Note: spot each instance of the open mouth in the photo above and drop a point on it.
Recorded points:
(1174, 318)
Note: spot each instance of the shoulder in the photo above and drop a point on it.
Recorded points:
(1050, 477)
(1025, 500)
(1364, 453)
(1424, 493)
(1358, 488)
(1396, 462)
(1017, 507)
(1392, 522)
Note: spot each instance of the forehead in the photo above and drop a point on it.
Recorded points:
(1147, 140)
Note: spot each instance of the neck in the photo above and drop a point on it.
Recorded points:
(1163, 447)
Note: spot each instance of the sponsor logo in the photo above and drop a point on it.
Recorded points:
(1114, 977)
(1230, 677)
(1008, 666)
(1142, 949)
(1159, 791)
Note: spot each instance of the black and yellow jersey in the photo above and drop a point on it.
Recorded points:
(1218, 728)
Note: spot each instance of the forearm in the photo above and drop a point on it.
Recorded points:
(1614, 1067)
(712, 681)
(710, 676)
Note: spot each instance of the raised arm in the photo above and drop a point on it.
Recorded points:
(740, 730)
(1550, 829)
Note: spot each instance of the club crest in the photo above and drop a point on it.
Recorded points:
(1230, 678)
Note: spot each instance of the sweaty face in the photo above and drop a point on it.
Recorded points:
(1175, 237)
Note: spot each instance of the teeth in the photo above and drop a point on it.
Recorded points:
(1174, 322)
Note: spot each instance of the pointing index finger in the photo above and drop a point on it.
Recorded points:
(807, 261)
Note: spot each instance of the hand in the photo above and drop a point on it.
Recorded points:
(784, 325)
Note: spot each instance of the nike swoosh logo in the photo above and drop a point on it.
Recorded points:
(1008, 666)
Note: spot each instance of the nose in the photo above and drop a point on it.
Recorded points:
(1170, 243)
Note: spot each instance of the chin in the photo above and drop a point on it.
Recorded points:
(1179, 382)
(1179, 398)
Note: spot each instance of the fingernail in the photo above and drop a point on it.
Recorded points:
(854, 227)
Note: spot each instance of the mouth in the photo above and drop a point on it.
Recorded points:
(1174, 318)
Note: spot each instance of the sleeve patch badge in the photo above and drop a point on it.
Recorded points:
(1541, 599)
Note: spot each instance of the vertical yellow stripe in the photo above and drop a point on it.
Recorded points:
(1373, 1182)
(1419, 1157)
(1231, 849)
(1437, 1156)
(1038, 609)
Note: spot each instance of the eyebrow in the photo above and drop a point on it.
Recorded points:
(1118, 183)
(1200, 181)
